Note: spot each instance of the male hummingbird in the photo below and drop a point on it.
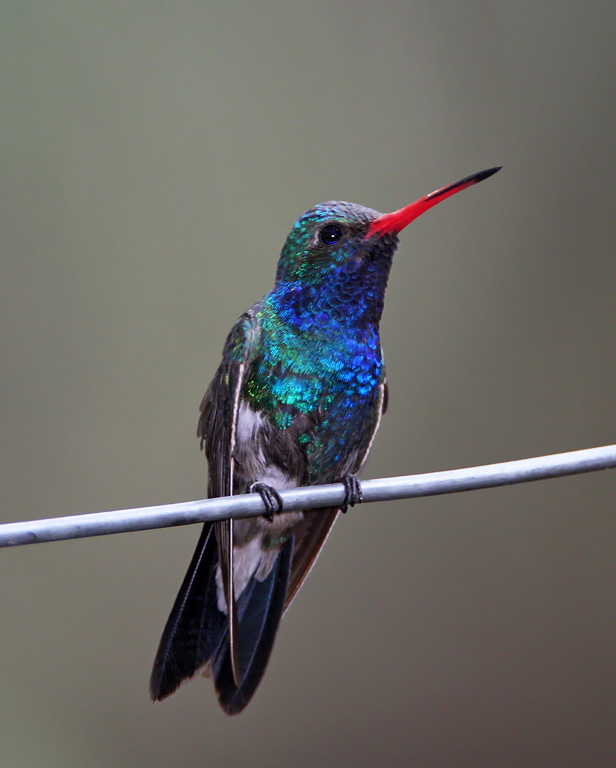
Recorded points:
(296, 400)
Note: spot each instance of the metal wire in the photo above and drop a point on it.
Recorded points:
(312, 497)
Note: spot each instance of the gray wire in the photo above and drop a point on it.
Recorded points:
(313, 497)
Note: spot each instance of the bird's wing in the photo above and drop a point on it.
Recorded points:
(217, 429)
(192, 631)
(314, 530)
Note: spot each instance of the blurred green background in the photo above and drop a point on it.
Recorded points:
(153, 158)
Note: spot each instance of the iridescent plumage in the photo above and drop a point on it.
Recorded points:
(296, 400)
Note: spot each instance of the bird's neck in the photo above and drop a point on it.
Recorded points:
(350, 299)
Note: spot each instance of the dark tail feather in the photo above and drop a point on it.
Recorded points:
(260, 609)
(193, 629)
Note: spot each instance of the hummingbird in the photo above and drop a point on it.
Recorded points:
(297, 400)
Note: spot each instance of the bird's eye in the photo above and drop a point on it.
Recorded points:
(331, 234)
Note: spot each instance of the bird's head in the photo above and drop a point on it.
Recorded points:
(338, 255)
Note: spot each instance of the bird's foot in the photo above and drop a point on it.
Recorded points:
(352, 492)
(270, 497)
